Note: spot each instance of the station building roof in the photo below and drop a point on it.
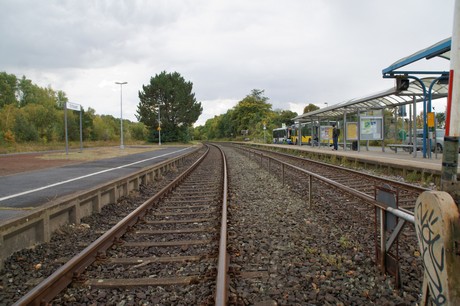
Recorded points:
(392, 97)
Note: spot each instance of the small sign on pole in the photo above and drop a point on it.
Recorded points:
(430, 119)
(75, 107)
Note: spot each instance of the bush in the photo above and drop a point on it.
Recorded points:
(8, 137)
(24, 129)
(138, 131)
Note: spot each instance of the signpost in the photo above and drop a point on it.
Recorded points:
(75, 107)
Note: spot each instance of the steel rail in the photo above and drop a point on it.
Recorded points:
(405, 215)
(400, 184)
(44, 292)
(222, 264)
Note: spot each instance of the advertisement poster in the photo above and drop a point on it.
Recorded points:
(371, 128)
(352, 130)
(325, 132)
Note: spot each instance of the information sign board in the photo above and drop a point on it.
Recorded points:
(73, 106)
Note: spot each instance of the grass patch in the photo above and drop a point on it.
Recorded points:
(310, 250)
(413, 176)
(345, 242)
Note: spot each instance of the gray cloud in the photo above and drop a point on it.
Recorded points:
(297, 51)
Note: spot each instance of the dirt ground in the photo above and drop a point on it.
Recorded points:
(17, 163)
(12, 164)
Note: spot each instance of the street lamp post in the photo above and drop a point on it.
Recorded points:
(159, 125)
(122, 146)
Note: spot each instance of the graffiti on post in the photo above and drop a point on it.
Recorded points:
(437, 225)
(432, 248)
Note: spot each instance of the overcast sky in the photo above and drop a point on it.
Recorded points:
(298, 51)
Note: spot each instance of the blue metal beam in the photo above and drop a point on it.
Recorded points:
(430, 52)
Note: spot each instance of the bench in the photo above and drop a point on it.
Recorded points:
(406, 147)
(348, 144)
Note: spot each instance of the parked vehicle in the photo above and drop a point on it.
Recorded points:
(437, 142)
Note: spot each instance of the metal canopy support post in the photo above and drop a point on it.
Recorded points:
(383, 131)
(424, 113)
(299, 136)
(409, 128)
(396, 124)
(430, 89)
(319, 133)
(414, 127)
(344, 130)
(312, 132)
(359, 130)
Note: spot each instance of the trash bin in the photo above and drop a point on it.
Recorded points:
(402, 135)
(354, 145)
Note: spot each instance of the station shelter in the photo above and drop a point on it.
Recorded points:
(364, 119)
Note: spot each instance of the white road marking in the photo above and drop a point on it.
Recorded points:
(84, 176)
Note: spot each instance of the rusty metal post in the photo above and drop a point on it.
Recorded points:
(382, 240)
(282, 173)
(310, 190)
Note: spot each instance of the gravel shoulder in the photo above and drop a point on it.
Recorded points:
(25, 162)
(283, 253)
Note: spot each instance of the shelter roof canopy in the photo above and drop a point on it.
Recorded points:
(441, 49)
(389, 98)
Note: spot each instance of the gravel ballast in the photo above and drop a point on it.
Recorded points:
(281, 251)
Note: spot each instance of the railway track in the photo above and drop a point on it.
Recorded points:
(357, 196)
(281, 251)
(172, 240)
(364, 183)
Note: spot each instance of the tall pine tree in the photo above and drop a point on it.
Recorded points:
(178, 106)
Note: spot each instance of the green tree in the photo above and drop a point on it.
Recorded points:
(8, 88)
(251, 112)
(88, 123)
(27, 92)
(105, 128)
(8, 117)
(137, 131)
(61, 99)
(42, 118)
(178, 106)
(283, 116)
(309, 108)
(441, 119)
(24, 130)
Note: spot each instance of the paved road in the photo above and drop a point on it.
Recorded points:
(35, 188)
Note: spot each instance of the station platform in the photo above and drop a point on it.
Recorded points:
(374, 155)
